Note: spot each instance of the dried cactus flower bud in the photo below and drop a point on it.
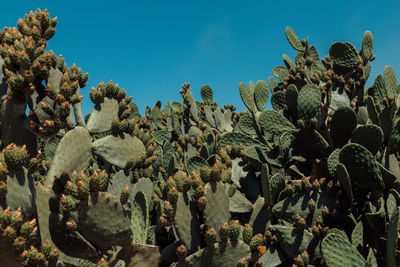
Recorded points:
(311, 205)
(256, 241)
(234, 231)
(46, 248)
(124, 195)
(299, 260)
(9, 233)
(210, 237)
(232, 189)
(205, 173)
(261, 249)
(242, 262)
(173, 195)
(53, 255)
(71, 225)
(162, 221)
(102, 263)
(15, 156)
(305, 257)
(247, 233)
(325, 211)
(169, 210)
(224, 231)
(201, 203)
(68, 203)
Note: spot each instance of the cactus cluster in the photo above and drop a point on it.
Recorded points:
(313, 182)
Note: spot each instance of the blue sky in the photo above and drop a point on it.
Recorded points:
(151, 48)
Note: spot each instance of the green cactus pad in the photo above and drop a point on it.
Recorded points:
(187, 222)
(386, 120)
(362, 166)
(372, 112)
(333, 161)
(102, 116)
(146, 186)
(315, 58)
(71, 243)
(339, 98)
(274, 256)
(376, 216)
(391, 205)
(310, 136)
(344, 180)
(137, 255)
(339, 252)
(390, 81)
(140, 218)
(161, 136)
(206, 93)
(118, 149)
(247, 97)
(43, 195)
(308, 102)
(294, 241)
(272, 84)
(261, 94)
(288, 62)
(343, 122)
(357, 236)
(222, 254)
(291, 100)
(276, 71)
(194, 164)
(278, 101)
(119, 181)
(275, 123)
(246, 124)
(73, 154)
(238, 139)
(343, 54)
(209, 115)
(193, 106)
(276, 186)
(394, 138)
(392, 237)
(15, 129)
(216, 211)
(265, 186)
(367, 46)
(50, 147)
(293, 39)
(95, 225)
(238, 203)
(370, 136)
(256, 155)
(21, 192)
(362, 115)
(388, 177)
(287, 208)
(339, 232)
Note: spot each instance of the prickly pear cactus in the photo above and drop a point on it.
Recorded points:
(313, 182)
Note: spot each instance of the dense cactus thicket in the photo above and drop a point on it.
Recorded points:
(313, 182)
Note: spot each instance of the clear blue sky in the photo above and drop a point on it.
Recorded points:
(152, 47)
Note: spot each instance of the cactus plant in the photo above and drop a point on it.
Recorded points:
(316, 181)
